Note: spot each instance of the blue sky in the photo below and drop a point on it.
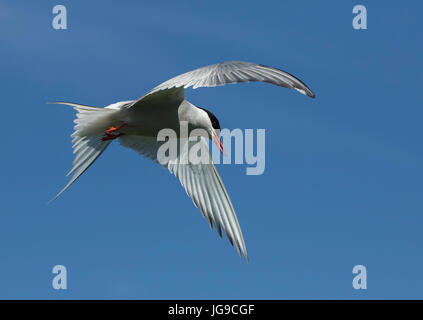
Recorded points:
(343, 179)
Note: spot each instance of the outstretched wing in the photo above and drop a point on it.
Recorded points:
(234, 72)
(200, 180)
(217, 75)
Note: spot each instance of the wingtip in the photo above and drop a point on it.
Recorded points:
(243, 253)
(309, 93)
(306, 91)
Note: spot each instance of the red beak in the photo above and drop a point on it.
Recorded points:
(218, 142)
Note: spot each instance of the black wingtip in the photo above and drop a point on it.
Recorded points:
(308, 92)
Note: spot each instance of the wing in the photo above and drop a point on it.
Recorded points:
(219, 74)
(200, 180)
(234, 72)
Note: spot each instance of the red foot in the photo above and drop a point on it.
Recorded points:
(111, 136)
(114, 129)
(109, 132)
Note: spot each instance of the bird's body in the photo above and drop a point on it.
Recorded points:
(136, 124)
(149, 119)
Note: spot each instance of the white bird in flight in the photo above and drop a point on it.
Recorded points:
(136, 124)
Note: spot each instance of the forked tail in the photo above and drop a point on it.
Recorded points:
(87, 140)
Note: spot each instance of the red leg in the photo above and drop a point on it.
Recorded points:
(109, 132)
(111, 136)
(114, 129)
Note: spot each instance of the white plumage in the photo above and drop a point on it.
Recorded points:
(136, 124)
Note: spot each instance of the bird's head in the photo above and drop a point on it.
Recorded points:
(212, 125)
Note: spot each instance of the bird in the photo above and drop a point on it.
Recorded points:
(136, 124)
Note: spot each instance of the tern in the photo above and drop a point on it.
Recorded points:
(136, 124)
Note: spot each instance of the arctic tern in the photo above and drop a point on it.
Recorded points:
(136, 124)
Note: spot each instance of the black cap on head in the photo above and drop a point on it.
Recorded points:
(215, 123)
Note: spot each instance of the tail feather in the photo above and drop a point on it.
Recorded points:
(86, 147)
